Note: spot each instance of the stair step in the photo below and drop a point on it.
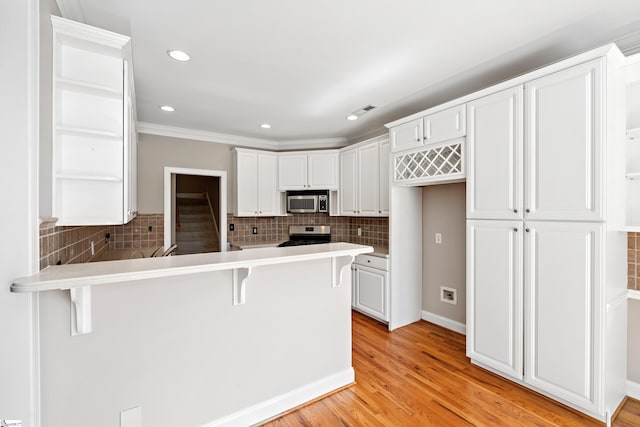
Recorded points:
(195, 235)
(188, 217)
(194, 209)
(195, 246)
(196, 226)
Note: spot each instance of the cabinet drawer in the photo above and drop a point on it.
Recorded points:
(373, 261)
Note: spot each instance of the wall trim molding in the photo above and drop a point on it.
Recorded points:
(272, 407)
(633, 389)
(243, 141)
(71, 9)
(461, 328)
(629, 44)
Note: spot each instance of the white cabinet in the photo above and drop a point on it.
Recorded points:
(494, 153)
(94, 136)
(433, 128)
(564, 156)
(364, 179)
(255, 184)
(563, 310)
(494, 301)
(384, 150)
(308, 170)
(370, 291)
(541, 288)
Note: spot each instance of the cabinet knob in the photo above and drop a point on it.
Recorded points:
(379, 211)
(527, 210)
(515, 211)
(260, 211)
(515, 229)
(424, 138)
(255, 212)
(526, 229)
(355, 212)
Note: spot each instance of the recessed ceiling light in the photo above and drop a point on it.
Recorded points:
(179, 55)
(265, 126)
(167, 108)
(352, 117)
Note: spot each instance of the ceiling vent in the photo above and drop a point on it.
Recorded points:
(356, 114)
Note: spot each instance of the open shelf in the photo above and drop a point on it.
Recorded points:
(90, 88)
(87, 131)
(633, 135)
(633, 175)
(89, 178)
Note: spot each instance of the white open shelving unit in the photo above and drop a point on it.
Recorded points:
(632, 144)
(94, 138)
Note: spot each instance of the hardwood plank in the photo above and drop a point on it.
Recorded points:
(420, 375)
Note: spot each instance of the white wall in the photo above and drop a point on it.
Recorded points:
(180, 350)
(18, 115)
(156, 152)
(633, 342)
(444, 264)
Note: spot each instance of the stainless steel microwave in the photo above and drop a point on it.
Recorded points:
(308, 201)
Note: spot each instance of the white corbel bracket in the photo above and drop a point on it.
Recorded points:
(338, 265)
(240, 276)
(80, 310)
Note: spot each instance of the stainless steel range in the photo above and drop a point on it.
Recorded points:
(307, 235)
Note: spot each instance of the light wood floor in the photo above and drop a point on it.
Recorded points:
(419, 376)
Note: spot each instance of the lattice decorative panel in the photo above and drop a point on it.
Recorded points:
(429, 163)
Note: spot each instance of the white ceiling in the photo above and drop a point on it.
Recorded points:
(303, 66)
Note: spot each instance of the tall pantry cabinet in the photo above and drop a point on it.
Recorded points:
(545, 260)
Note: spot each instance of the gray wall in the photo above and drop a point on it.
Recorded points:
(444, 211)
(156, 152)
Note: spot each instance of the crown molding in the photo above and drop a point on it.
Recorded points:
(87, 33)
(71, 9)
(629, 44)
(243, 141)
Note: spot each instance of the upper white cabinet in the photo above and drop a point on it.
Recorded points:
(94, 136)
(494, 153)
(433, 128)
(317, 170)
(255, 184)
(364, 179)
(563, 155)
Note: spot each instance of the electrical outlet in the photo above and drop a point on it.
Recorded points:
(93, 248)
(438, 238)
(449, 295)
(255, 230)
(359, 231)
(150, 228)
(232, 227)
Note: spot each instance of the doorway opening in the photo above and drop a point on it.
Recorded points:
(195, 210)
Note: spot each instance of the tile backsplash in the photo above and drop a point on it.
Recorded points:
(70, 245)
(375, 231)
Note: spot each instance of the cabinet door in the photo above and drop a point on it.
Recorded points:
(494, 150)
(268, 196)
(371, 292)
(323, 171)
(348, 182)
(130, 153)
(562, 310)
(564, 145)
(292, 172)
(367, 193)
(444, 125)
(407, 135)
(246, 184)
(383, 178)
(494, 295)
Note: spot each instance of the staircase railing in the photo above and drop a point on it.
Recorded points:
(215, 223)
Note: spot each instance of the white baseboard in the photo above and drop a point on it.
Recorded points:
(279, 404)
(633, 390)
(444, 322)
